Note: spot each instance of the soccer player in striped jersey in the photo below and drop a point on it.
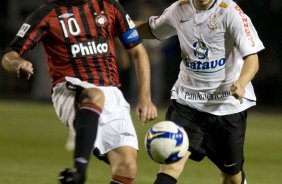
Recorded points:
(78, 38)
(213, 91)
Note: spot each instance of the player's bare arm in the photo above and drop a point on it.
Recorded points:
(249, 70)
(143, 29)
(12, 62)
(145, 108)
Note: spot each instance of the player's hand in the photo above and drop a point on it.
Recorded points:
(238, 90)
(25, 70)
(146, 110)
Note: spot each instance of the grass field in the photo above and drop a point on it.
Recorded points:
(32, 150)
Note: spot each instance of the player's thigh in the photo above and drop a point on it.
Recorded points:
(190, 120)
(228, 143)
(65, 100)
(64, 104)
(117, 133)
(118, 142)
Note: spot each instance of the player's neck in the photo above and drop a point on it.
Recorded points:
(203, 5)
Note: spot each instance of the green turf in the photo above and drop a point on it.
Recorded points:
(32, 150)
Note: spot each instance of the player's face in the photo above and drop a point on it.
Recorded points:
(203, 4)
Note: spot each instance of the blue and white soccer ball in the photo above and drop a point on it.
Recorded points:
(166, 142)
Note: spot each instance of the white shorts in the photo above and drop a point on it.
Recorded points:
(115, 127)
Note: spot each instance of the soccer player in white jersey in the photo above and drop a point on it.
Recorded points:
(213, 91)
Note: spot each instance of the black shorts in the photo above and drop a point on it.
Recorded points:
(220, 138)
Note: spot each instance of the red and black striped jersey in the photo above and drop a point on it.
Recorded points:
(78, 39)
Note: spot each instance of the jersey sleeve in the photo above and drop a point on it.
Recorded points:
(125, 28)
(243, 31)
(30, 32)
(162, 26)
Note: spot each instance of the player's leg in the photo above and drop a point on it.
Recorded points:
(233, 179)
(117, 139)
(168, 174)
(224, 144)
(123, 165)
(121, 137)
(187, 118)
(78, 104)
(90, 105)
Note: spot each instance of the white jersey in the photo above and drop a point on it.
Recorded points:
(213, 43)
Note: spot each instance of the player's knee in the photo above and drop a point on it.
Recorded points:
(126, 166)
(92, 95)
(231, 179)
(130, 167)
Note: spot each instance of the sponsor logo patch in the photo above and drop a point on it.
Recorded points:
(229, 165)
(66, 15)
(90, 48)
(246, 25)
(184, 20)
(201, 61)
(223, 5)
(130, 22)
(25, 27)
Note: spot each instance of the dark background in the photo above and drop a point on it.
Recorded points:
(266, 15)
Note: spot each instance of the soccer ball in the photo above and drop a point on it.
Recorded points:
(166, 142)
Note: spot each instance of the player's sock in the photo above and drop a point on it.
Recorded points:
(86, 126)
(163, 178)
(121, 180)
